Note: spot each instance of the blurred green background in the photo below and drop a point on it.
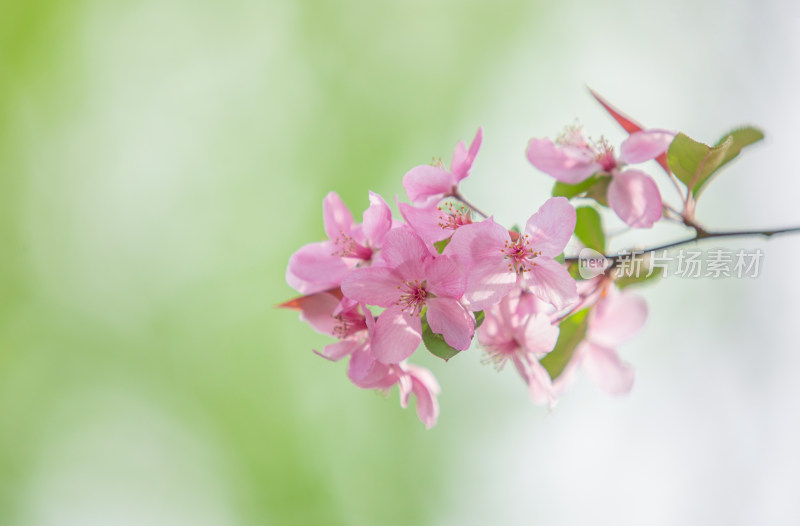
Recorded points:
(160, 161)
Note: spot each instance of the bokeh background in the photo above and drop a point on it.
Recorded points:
(160, 161)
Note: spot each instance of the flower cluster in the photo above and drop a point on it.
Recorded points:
(443, 272)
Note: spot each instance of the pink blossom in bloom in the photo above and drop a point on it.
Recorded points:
(352, 325)
(321, 266)
(435, 223)
(632, 194)
(426, 184)
(615, 318)
(628, 124)
(412, 280)
(515, 331)
(496, 262)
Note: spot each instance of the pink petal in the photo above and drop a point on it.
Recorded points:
(302, 286)
(337, 217)
(540, 335)
(425, 388)
(369, 320)
(477, 241)
(425, 184)
(446, 277)
(372, 285)
(459, 156)
(314, 268)
(401, 245)
(550, 282)
(377, 219)
(397, 335)
(617, 318)
(424, 377)
(318, 310)
(551, 227)
(336, 351)
(425, 221)
(635, 198)
(404, 385)
(462, 160)
(345, 304)
(530, 304)
(449, 318)
(645, 145)
(606, 370)
(540, 387)
(491, 333)
(489, 281)
(363, 370)
(568, 164)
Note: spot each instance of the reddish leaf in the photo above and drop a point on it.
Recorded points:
(628, 124)
(297, 303)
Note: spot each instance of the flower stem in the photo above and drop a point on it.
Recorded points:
(457, 195)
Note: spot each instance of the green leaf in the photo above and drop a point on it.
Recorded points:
(440, 245)
(589, 229)
(479, 317)
(571, 190)
(435, 342)
(594, 187)
(574, 270)
(572, 267)
(572, 332)
(741, 137)
(693, 162)
(599, 190)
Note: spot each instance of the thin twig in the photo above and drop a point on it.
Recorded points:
(457, 195)
(701, 235)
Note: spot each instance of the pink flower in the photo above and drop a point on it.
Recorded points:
(435, 223)
(427, 184)
(632, 194)
(354, 326)
(412, 280)
(321, 266)
(615, 318)
(496, 262)
(514, 331)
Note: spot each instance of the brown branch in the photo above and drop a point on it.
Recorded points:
(700, 235)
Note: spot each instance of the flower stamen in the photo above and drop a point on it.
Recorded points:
(413, 296)
(520, 254)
